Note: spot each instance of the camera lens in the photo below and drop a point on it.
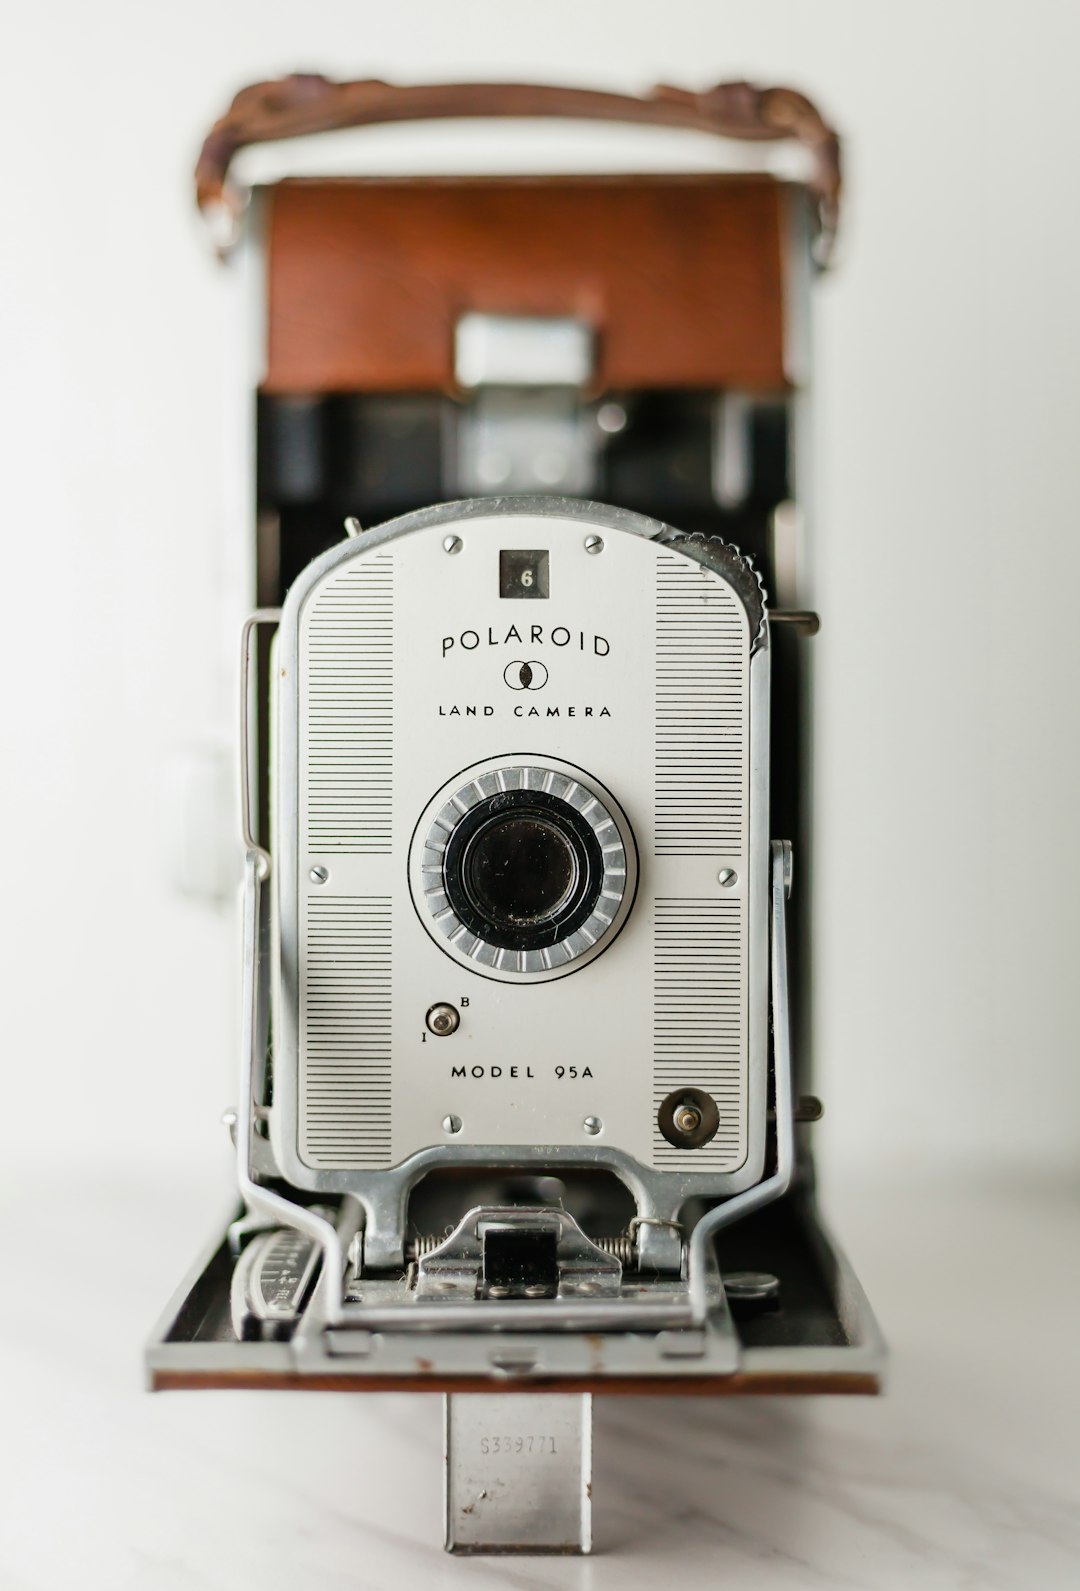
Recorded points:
(520, 870)
(523, 870)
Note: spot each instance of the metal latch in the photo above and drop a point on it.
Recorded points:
(524, 1251)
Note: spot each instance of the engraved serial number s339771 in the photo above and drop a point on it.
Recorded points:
(517, 1444)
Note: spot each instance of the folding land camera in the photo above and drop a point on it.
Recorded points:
(524, 1061)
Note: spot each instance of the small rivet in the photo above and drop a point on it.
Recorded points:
(319, 875)
(687, 1119)
(452, 544)
(353, 527)
(451, 1124)
(727, 877)
(594, 543)
(593, 1125)
(497, 1290)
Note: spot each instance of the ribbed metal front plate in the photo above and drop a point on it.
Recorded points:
(702, 659)
(347, 729)
(702, 810)
(699, 1023)
(345, 996)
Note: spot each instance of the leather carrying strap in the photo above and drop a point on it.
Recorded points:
(308, 103)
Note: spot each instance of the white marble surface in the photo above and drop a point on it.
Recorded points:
(967, 1474)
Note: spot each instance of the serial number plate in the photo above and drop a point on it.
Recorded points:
(512, 1483)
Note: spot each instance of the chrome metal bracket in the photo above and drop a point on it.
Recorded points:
(518, 1472)
(461, 1265)
(260, 1200)
(783, 1076)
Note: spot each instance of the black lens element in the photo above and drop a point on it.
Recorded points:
(523, 870)
(519, 870)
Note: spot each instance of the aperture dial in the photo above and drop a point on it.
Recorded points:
(523, 870)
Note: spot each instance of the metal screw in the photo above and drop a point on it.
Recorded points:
(497, 1290)
(727, 877)
(535, 1290)
(451, 1124)
(442, 1019)
(319, 875)
(452, 544)
(594, 543)
(687, 1119)
(353, 527)
(593, 1125)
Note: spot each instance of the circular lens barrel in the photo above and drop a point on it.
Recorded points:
(523, 870)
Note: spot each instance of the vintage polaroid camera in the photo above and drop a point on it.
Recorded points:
(523, 1062)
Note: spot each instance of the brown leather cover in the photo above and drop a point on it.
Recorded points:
(680, 277)
(309, 103)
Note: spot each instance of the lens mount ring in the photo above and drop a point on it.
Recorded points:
(566, 912)
(571, 840)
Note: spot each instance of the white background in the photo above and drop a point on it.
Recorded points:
(948, 546)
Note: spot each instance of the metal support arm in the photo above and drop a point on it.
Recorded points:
(778, 1183)
(261, 1200)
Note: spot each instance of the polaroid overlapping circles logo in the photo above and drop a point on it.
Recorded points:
(525, 676)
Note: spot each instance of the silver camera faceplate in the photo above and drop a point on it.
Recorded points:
(398, 668)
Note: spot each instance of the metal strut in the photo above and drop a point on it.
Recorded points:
(259, 1199)
(762, 1192)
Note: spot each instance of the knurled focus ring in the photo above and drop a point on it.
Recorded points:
(523, 870)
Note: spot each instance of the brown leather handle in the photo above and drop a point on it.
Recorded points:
(309, 103)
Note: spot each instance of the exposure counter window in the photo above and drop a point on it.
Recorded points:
(523, 573)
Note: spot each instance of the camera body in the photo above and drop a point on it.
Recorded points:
(520, 798)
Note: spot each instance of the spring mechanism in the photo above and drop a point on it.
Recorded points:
(424, 1243)
(621, 1248)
